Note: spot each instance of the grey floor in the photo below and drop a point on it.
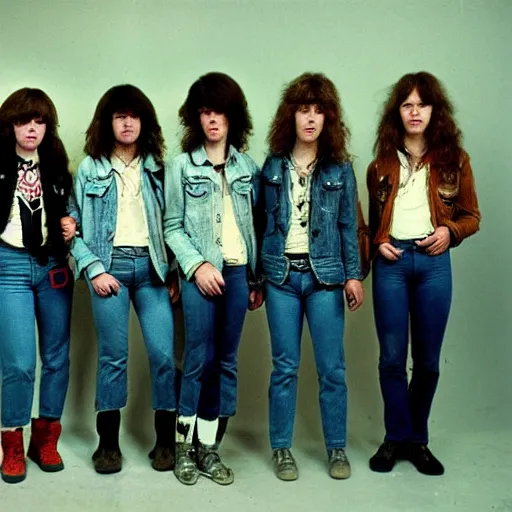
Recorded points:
(478, 478)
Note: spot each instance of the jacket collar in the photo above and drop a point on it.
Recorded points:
(200, 156)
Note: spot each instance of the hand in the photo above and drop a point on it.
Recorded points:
(437, 242)
(173, 286)
(68, 226)
(354, 294)
(389, 252)
(105, 285)
(209, 280)
(255, 299)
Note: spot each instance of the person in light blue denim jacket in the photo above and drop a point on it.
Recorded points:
(208, 223)
(122, 253)
(310, 258)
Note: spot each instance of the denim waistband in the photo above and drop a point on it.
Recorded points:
(299, 262)
(130, 252)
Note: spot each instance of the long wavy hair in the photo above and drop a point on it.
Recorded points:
(442, 136)
(124, 99)
(308, 89)
(220, 93)
(20, 108)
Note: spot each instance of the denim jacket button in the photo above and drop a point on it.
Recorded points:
(218, 242)
(218, 217)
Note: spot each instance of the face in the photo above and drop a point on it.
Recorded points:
(309, 123)
(126, 128)
(415, 114)
(29, 135)
(215, 126)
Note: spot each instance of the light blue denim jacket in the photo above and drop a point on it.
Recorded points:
(96, 200)
(194, 207)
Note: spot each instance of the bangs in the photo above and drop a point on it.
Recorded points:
(126, 99)
(28, 104)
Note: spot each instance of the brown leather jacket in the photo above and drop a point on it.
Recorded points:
(452, 199)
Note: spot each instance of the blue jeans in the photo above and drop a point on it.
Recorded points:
(32, 293)
(213, 328)
(132, 267)
(415, 290)
(324, 308)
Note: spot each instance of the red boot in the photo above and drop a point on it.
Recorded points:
(43, 445)
(13, 466)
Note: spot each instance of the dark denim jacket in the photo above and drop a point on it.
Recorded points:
(333, 243)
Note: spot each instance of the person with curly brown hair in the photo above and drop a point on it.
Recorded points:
(210, 189)
(121, 253)
(422, 204)
(310, 259)
(36, 284)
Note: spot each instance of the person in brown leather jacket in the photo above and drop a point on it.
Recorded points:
(422, 203)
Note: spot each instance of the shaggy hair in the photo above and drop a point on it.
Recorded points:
(20, 108)
(308, 89)
(443, 137)
(124, 99)
(220, 93)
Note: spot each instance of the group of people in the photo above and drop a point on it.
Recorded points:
(213, 229)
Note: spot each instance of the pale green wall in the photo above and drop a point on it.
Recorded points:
(75, 50)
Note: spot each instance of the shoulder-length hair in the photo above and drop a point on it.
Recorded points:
(443, 137)
(220, 93)
(20, 108)
(310, 89)
(124, 99)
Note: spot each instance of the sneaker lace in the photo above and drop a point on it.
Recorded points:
(338, 455)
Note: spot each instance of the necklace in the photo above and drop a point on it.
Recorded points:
(302, 171)
(126, 164)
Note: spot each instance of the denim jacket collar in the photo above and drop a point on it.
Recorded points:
(200, 156)
(104, 170)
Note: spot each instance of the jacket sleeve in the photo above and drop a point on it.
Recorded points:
(258, 218)
(85, 259)
(188, 257)
(348, 223)
(466, 219)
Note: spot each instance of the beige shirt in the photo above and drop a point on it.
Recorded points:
(411, 210)
(234, 250)
(131, 228)
(297, 241)
(28, 191)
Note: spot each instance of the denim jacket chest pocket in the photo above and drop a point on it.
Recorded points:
(241, 195)
(197, 188)
(98, 187)
(329, 191)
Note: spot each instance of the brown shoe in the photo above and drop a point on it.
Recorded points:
(162, 458)
(107, 461)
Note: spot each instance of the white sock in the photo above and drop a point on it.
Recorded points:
(207, 431)
(185, 429)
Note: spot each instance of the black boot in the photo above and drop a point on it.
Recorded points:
(162, 454)
(108, 458)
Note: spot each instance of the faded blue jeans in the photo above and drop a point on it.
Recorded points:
(411, 294)
(132, 267)
(286, 305)
(30, 294)
(213, 327)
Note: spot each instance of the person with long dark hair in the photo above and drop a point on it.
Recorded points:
(36, 285)
(422, 204)
(210, 189)
(310, 259)
(121, 252)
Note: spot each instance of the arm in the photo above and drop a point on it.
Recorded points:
(85, 259)
(175, 236)
(467, 216)
(348, 223)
